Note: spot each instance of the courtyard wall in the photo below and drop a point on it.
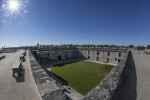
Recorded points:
(108, 87)
(105, 55)
(47, 87)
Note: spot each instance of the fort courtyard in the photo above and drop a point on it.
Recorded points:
(74, 49)
(82, 76)
(67, 72)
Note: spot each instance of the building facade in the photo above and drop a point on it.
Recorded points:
(105, 55)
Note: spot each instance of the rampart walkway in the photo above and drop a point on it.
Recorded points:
(142, 63)
(20, 89)
(136, 78)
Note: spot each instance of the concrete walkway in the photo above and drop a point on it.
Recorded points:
(22, 88)
(101, 62)
(136, 78)
(142, 64)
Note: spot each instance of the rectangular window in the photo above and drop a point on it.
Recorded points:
(108, 54)
(119, 54)
(97, 59)
(107, 60)
(88, 57)
(88, 52)
(115, 59)
(97, 53)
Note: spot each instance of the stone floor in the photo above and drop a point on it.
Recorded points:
(136, 83)
(22, 88)
(142, 63)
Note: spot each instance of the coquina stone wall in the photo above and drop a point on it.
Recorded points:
(105, 55)
(107, 88)
(46, 85)
(58, 54)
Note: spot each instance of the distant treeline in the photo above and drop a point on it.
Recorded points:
(140, 47)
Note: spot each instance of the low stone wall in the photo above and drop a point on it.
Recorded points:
(107, 88)
(46, 85)
(8, 51)
(2, 56)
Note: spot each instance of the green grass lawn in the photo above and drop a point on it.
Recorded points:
(82, 76)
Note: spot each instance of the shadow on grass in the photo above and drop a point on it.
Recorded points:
(60, 65)
(64, 81)
(58, 79)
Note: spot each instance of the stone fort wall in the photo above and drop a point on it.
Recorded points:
(95, 54)
(47, 87)
(108, 87)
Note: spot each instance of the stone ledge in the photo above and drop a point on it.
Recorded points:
(47, 87)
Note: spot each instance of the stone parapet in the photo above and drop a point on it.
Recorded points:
(46, 85)
(107, 88)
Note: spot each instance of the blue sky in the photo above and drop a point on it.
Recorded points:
(120, 22)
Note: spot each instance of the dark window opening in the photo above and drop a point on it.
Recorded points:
(108, 54)
(107, 60)
(119, 54)
(97, 59)
(66, 56)
(88, 57)
(88, 52)
(118, 60)
(115, 59)
(59, 57)
(97, 53)
(48, 54)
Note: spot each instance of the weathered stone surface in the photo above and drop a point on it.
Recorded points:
(108, 86)
(46, 85)
(55, 95)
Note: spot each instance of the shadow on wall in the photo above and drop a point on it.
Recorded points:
(80, 55)
(48, 60)
(127, 90)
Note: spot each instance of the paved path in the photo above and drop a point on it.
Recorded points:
(101, 62)
(12, 89)
(142, 64)
(136, 78)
